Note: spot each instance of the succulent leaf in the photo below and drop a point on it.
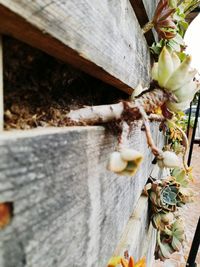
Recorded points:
(179, 76)
(125, 162)
(169, 160)
(116, 163)
(176, 60)
(165, 67)
(154, 71)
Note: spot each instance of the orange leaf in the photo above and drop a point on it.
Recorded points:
(141, 263)
(124, 263)
(131, 262)
(5, 214)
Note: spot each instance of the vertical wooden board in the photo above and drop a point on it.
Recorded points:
(150, 7)
(135, 232)
(1, 84)
(68, 209)
(105, 33)
(144, 11)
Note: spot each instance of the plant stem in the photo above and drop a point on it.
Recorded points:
(191, 8)
(150, 140)
(147, 27)
(124, 110)
(185, 143)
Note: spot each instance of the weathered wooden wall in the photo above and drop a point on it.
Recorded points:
(68, 209)
(106, 34)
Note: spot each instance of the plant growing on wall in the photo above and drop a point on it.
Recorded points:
(168, 91)
(170, 22)
(126, 262)
(166, 197)
(172, 88)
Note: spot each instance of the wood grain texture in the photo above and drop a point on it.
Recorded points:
(150, 7)
(103, 38)
(68, 209)
(144, 10)
(149, 246)
(1, 84)
(135, 232)
(139, 236)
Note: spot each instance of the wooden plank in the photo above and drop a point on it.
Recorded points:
(139, 237)
(150, 244)
(150, 7)
(1, 84)
(68, 209)
(144, 10)
(134, 235)
(102, 38)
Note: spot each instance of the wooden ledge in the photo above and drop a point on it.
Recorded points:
(115, 54)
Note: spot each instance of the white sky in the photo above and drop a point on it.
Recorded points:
(192, 40)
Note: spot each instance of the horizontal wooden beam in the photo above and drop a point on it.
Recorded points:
(68, 208)
(103, 39)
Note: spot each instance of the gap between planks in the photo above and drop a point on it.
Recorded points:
(141, 14)
(1, 85)
(19, 28)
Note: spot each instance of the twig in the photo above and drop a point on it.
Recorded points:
(185, 143)
(126, 110)
(156, 151)
(147, 27)
(156, 117)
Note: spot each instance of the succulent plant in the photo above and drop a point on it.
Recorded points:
(120, 261)
(175, 77)
(168, 159)
(163, 20)
(163, 194)
(162, 219)
(125, 162)
(170, 239)
(166, 195)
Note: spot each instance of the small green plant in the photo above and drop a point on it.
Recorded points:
(170, 22)
(166, 197)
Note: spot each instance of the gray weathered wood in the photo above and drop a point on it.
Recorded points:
(135, 232)
(150, 7)
(139, 236)
(144, 10)
(1, 84)
(68, 209)
(102, 38)
(150, 244)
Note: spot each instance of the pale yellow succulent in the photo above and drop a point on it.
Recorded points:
(176, 77)
(125, 162)
(168, 159)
